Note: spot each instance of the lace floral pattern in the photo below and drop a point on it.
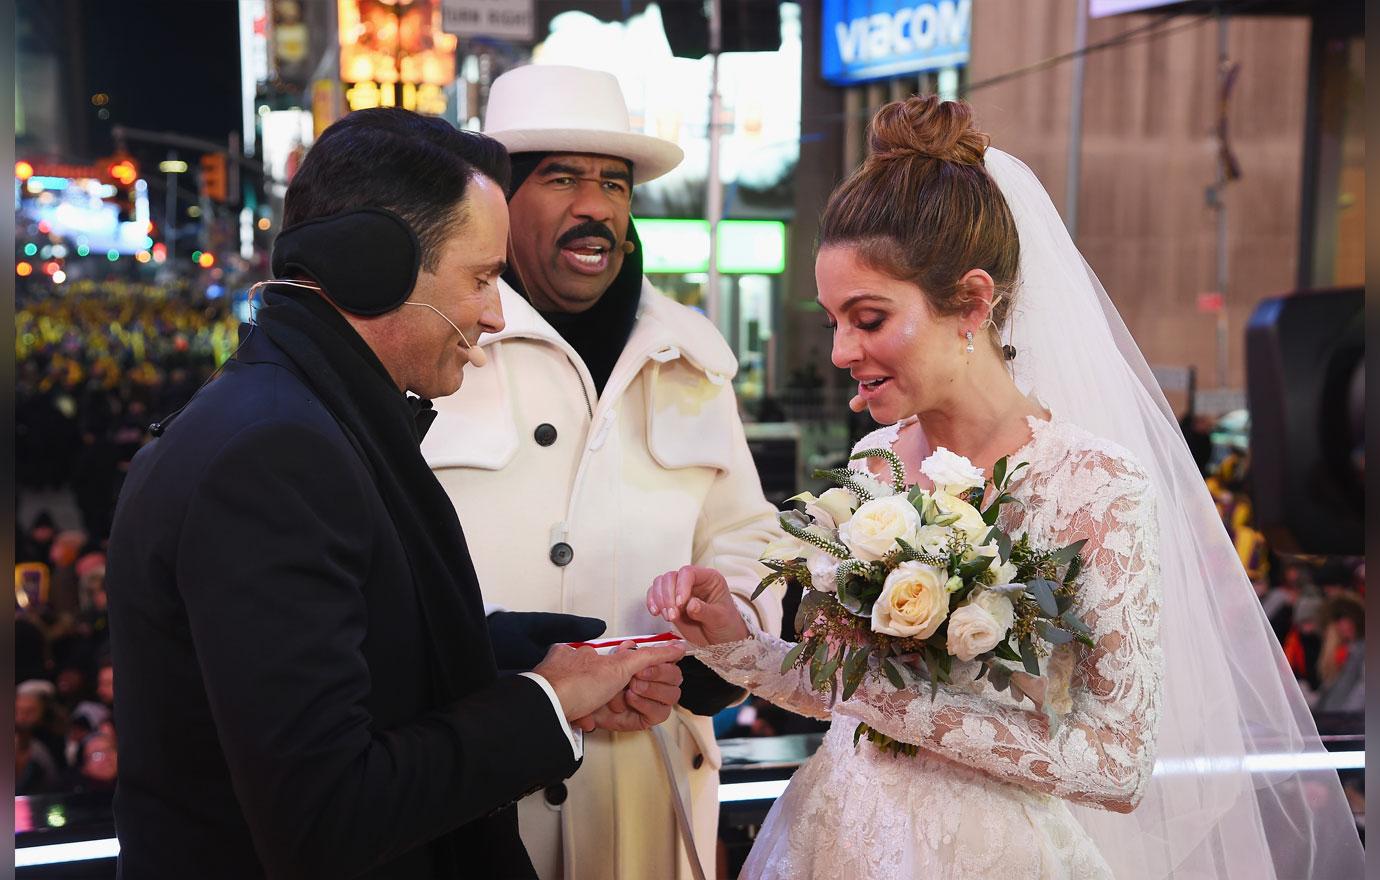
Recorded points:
(986, 795)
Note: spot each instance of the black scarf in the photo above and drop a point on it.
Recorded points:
(387, 428)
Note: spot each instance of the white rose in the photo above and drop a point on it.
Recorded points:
(839, 504)
(913, 603)
(873, 530)
(933, 540)
(950, 472)
(785, 547)
(1005, 573)
(969, 522)
(999, 606)
(976, 627)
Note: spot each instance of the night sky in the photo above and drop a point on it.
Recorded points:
(167, 65)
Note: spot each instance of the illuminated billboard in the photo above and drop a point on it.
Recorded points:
(393, 55)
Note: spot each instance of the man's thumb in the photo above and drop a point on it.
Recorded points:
(636, 661)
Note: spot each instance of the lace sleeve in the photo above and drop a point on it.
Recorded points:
(1103, 751)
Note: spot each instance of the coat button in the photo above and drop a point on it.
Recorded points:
(698, 762)
(562, 553)
(545, 434)
(556, 794)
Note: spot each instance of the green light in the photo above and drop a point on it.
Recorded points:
(30, 249)
(746, 247)
(112, 255)
(57, 816)
(196, 256)
(148, 241)
(83, 250)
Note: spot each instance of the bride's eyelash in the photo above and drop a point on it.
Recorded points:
(870, 325)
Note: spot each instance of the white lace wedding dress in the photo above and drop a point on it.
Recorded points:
(987, 796)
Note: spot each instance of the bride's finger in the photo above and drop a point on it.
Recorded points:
(656, 596)
(685, 585)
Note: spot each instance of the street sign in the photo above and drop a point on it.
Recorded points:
(502, 19)
(864, 40)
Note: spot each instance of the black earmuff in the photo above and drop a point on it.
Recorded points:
(365, 260)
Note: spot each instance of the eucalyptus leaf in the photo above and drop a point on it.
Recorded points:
(893, 674)
(811, 603)
(1006, 652)
(1066, 554)
(853, 669)
(1043, 593)
(1064, 603)
(974, 567)
(766, 582)
(831, 666)
(1074, 570)
(1075, 623)
(999, 676)
(817, 661)
(1028, 658)
(793, 655)
(1052, 634)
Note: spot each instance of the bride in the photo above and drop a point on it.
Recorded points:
(968, 318)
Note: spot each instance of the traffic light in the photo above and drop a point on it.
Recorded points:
(123, 171)
(213, 177)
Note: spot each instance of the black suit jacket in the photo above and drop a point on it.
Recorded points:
(269, 650)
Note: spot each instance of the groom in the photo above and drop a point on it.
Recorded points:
(307, 687)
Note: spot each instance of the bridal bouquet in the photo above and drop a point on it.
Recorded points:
(918, 579)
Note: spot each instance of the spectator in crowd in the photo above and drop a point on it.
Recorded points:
(1341, 666)
(35, 771)
(35, 716)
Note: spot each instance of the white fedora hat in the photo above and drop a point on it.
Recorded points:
(554, 108)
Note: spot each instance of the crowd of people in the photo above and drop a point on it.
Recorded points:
(64, 701)
(97, 361)
(1316, 605)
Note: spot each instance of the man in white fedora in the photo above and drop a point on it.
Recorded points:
(602, 447)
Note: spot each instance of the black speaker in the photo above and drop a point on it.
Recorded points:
(1305, 367)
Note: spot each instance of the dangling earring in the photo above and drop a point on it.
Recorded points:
(969, 337)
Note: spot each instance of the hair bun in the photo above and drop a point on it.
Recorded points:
(926, 126)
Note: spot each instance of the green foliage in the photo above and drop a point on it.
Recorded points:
(898, 470)
(833, 548)
(845, 478)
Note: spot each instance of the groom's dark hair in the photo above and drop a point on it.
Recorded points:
(416, 166)
(922, 207)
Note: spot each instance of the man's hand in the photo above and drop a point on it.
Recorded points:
(696, 600)
(644, 703)
(585, 682)
(521, 638)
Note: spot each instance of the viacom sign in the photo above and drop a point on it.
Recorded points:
(871, 39)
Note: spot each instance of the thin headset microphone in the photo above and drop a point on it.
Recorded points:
(476, 355)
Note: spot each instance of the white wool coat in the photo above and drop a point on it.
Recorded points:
(653, 474)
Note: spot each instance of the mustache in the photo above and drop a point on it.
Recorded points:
(587, 229)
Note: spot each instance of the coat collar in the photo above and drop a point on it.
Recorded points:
(664, 327)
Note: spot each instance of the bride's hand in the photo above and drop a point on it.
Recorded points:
(697, 602)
